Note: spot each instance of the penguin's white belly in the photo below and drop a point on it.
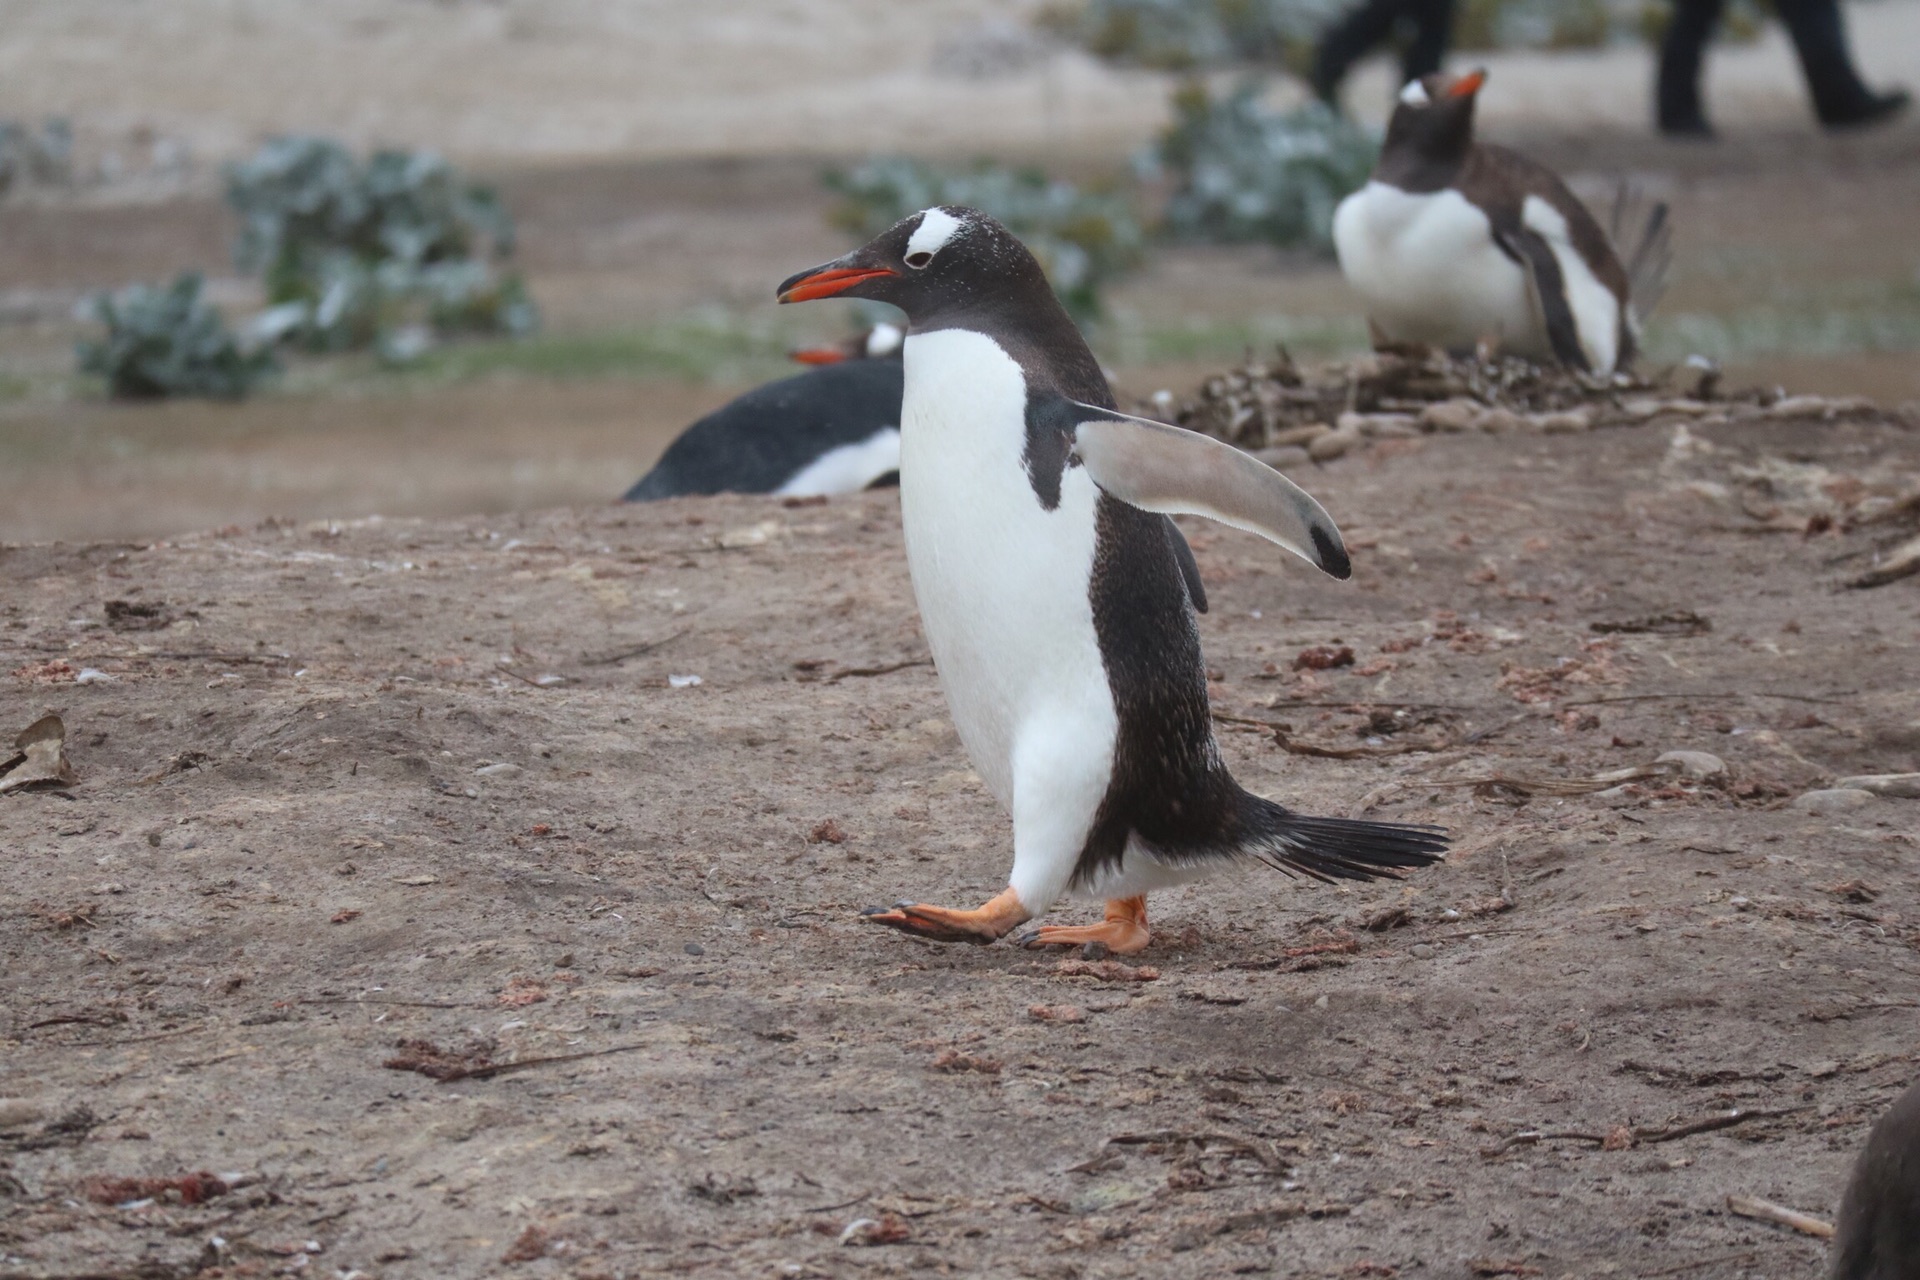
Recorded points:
(1429, 271)
(1002, 585)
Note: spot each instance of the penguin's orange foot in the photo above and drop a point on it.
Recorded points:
(1124, 931)
(943, 924)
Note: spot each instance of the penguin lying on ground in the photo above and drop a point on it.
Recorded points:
(1877, 1231)
(1057, 595)
(1452, 243)
(833, 429)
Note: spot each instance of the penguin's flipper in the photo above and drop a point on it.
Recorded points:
(1173, 471)
(1530, 249)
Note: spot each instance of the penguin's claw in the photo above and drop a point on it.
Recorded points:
(1123, 932)
(942, 924)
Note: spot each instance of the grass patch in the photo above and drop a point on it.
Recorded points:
(699, 348)
(1880, 319)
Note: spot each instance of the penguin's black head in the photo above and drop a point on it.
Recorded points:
(1434, 118)
(932, 263)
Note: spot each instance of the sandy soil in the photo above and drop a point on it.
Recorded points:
(322, 820)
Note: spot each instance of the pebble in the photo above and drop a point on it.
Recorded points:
(1452, 415)
(1565, 423)
(1301, 436)
(18, 1113)
(1421, 951)
(1902, 786)
(694, 949)
(1832, 800)
(1695, 764)
(1798, 407)
(1284, 457)
(1334, 444)
(501, 770)
(1389, 426)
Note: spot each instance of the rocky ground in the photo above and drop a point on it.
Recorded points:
(476, 897)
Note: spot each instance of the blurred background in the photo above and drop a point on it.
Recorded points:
(415, 257)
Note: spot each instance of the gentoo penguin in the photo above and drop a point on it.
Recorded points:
(1058, 601)
(1877, 1231)
(1452, 243)
(833, 429)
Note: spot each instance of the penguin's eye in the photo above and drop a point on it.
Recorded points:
(919, 260)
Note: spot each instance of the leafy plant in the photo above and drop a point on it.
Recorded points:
(389, 253)
(36, 156)
(1246, 172)
(1084, 240)
(166, 340)
(1186, 35)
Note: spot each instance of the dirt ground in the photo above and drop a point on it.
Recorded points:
(361, 800)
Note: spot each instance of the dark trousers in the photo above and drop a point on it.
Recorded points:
(1818, 37)
(1371, 25)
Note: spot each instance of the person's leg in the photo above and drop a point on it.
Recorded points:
(1840, 97)
(1677, 97)
(1433, 29)
(1349, 40)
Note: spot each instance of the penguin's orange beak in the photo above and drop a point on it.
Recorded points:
(1467, 85)
(826, 282)
(815, 355)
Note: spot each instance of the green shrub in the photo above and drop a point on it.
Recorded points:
(1085, 241)
(1245, 172)
(386, 254)
(1185, 35)
(166, 340)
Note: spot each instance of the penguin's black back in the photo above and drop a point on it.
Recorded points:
(761, 440)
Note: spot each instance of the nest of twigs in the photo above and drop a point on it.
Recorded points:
(1329, 410)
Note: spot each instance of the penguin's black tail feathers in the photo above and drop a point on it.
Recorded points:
(1329, 849)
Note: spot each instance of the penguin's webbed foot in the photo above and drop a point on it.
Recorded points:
(1123, 932)
(943, 924)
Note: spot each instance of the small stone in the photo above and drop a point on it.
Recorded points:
(501, 770)
(1565, 423)
(1299, 436)
(1285, 457)
(1389, 426)
(111, 886)
(1799, 407)
(1320, 1003)
(18, 1113)
(1501, 422)
(694, 949)
(1454, 415)
(1334, 444)
(1421, 951)
(1901, 786)
(1095, 951)
(1695, 764)
(1833, 800)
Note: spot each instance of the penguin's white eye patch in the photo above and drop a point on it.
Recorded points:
(1415, 95)
(937, 226)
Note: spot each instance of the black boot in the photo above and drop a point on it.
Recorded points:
(1840, 98)
(1677, 96)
